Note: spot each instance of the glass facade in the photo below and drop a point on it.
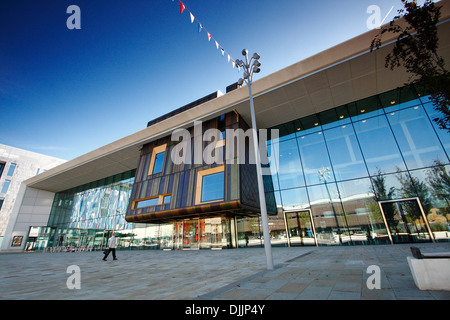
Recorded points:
(83, 217)
(372, 171)
(375, 171)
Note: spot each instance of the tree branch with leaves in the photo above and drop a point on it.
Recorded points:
(416, 49)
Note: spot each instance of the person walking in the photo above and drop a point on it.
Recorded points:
(112, 243)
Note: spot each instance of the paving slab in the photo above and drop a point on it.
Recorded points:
(308, 273)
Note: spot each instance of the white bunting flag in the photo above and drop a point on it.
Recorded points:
(200, 28)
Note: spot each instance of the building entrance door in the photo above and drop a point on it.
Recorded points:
(406, 221)
(83, 239)
(214, 232)
(178, 235)
(300, 228)
(191, 234)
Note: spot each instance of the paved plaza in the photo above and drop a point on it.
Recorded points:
(300, 273)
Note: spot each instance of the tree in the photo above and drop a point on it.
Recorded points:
(439, 180)
(416, 50)
(381, 193)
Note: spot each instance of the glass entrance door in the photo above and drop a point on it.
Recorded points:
(301, 231)
(83, 239)
(215, 233)
(406, 221)
(191, 234)
(178, 235)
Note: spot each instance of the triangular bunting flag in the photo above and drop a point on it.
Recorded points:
(200, 27)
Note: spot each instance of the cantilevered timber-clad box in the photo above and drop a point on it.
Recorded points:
(203, 171)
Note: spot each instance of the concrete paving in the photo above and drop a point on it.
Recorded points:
(300, 273)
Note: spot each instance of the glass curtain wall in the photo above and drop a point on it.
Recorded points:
(83, 219)
(346, 164)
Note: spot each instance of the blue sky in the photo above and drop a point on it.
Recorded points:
(66, 92)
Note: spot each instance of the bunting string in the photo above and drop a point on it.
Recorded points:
(209, 35)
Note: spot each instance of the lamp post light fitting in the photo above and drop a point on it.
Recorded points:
(250, 67)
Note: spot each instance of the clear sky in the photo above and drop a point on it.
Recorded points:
(66, 92)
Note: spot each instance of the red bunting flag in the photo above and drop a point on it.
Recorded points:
(200, 27)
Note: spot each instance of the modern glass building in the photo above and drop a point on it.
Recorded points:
(374, 171)
(359, 161)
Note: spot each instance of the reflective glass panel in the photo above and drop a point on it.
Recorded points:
(308, 125)
(102, 207)
(277, 228)
(167, 199)
(365, 108)
(328, 216)
(363, 215)
(433, 188)
(147, 203)
(213, 187)
(335, 117)
(271, 181)
(378, 145)
(290, 173)
(294, 199)
(406, 222)
(159, 161)
(420, 148)
(443, 134)
(345, 154)
(249, 232)
(314, 157)
(300, 228)
(389, 186)
(399, 99)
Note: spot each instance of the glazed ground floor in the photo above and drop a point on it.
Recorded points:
(399, 221)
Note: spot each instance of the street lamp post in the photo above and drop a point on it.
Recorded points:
(324, 174)
(250, 67)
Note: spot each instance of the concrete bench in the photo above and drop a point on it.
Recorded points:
(431, 271)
